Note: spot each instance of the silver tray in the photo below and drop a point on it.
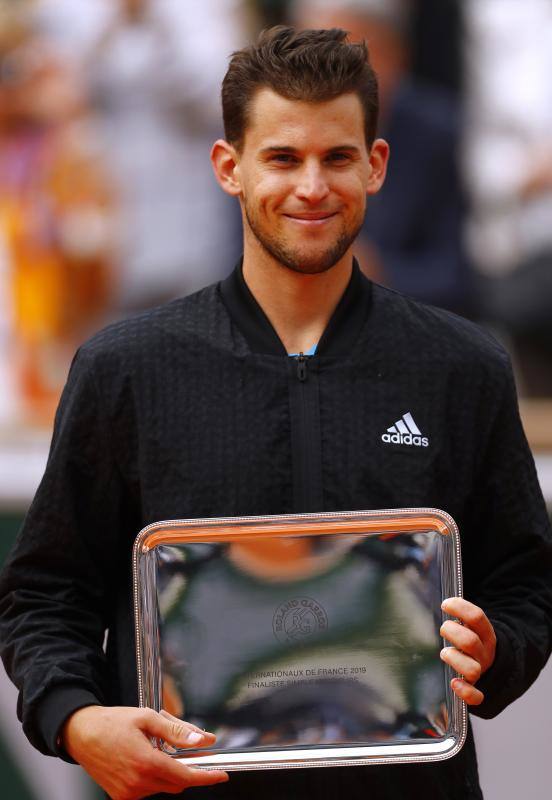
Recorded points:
(305, 640)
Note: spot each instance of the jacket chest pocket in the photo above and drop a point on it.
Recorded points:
(411, 475)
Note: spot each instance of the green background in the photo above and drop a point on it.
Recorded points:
(13, 782)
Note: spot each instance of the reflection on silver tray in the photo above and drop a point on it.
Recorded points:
(306, 640)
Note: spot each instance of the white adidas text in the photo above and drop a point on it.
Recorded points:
(405, 438)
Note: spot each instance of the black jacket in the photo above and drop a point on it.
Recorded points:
(195, 410)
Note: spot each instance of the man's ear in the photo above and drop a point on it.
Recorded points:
(225, 161)
(379, 157)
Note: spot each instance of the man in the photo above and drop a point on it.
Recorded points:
(196, 410)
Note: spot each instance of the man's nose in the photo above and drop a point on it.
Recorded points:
(313, 186)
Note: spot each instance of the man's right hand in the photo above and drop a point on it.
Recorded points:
(113, 746)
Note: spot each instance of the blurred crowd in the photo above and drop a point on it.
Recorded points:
(108, 109)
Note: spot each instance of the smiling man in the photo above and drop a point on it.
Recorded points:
(273, 392)
(302, 169)
(303, 172)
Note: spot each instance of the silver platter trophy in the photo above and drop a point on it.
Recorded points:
(305, 640)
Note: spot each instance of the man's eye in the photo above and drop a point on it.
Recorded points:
(339, 157)
(284, 158)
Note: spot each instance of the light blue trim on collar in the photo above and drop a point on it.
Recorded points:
(310, 352)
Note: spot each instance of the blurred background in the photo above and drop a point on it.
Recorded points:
(108, 109)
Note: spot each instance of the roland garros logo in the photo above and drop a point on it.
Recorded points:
(298, 619)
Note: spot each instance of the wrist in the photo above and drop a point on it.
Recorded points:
(74, 728)
(54, 708)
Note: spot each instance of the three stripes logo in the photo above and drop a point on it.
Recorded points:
(405, 431)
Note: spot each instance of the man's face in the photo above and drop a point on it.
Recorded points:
(304, 172)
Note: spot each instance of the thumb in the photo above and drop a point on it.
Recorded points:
(176, 731)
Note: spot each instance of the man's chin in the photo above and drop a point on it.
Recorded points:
(309, 263)
(310, 266)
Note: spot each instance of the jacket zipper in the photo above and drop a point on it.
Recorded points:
(304, 449)
(305, 433)
(301, 367)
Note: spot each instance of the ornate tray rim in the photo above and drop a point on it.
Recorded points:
(219, 529)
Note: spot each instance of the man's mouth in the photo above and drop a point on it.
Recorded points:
(311, 217)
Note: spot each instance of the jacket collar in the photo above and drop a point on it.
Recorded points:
(341, 332)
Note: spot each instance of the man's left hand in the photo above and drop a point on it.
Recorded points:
(473, 648)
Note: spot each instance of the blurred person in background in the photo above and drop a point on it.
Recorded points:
(55, 212)
(508, 163)
(412, 234)
(273, 12)
(154, 69)
(435, 41)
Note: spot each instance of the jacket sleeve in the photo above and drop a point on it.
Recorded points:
(55, 586)
(507, 556)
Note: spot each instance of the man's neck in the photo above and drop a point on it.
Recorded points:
(298, 306)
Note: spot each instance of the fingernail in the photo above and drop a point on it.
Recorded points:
(194, 737)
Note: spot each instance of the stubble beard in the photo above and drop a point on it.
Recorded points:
(297, 260)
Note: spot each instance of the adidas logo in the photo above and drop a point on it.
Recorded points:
(405, 431)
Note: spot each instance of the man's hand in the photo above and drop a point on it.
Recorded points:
(113, 746)
(474, 646)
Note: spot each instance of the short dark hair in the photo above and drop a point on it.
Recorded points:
(311, 65)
